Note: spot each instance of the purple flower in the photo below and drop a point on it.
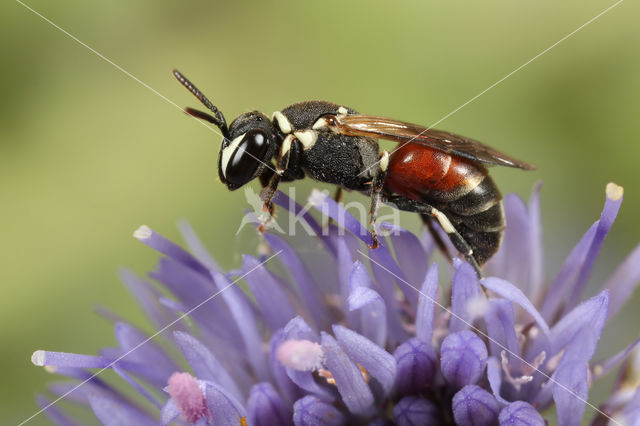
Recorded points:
(463, 358)
(341, 334)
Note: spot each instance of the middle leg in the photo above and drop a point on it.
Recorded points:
(376, 195)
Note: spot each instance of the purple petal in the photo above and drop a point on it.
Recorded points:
(608, 216)
(148, 298)
(409, 252)
(344, 267)
(387, 291)
(192, 289)
(494, 376)
(78, 394)
(309, 288)
(265, 407)
(514, 294)
(169, 412)
(463, 358)
(414, 411)
(205, 365)
(301, 214)
(570, 391)
(416, 366)
(464, 291)
(329, 207)
(353, 389)
(310, 411)
(271, 298)
(54, 413)
(137, 386)
(426, 302)
(591, 313)
(500, 322)
(536, 259)
(601, 368)
(513, 259)
(390, 276)
(196, 247)
(577, 267)
(112, 412)
(92, 383)
(520, 413)
(380, 364)
(159, 243)
(623, 281)
(556, 293)
(65, 359)
(474, 406)
(243, 316)
(225, 410)
(288, 389)
(373, 312)
(300, 330)
(142, 349)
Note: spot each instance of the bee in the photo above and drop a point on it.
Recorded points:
(439, 175)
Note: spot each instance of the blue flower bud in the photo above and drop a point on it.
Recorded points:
(266, 407)
(463, 358)
(413, 410)
(474, 406)
(311, 410)
(520, 413)
(416, 366)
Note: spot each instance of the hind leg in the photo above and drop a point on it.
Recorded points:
(458, 241)
(437, 239)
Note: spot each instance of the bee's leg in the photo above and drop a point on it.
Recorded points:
(339, 194)
(437, 239)
(458, 241)
(376, 194)
(287, 169)
(269, 191)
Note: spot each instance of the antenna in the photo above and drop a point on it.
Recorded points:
(217, 120)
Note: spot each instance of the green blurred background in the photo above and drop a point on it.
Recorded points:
(87, 154)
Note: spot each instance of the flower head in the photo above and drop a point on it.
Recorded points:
(348, 335)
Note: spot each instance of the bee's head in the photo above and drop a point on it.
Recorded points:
(247, 151)
(247, 145)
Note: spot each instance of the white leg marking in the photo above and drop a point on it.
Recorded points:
(384, 161)
(307, 138)
(283, 122)
(226, 153)
(286, 145)
(444, 222)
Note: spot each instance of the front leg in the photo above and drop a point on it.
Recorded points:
(376, 195)
(287, 169)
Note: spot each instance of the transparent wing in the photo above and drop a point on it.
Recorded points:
(385, 128)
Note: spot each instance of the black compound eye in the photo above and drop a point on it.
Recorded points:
(247, 157)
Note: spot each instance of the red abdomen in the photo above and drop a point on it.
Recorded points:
(424, 174)
(462, 189)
